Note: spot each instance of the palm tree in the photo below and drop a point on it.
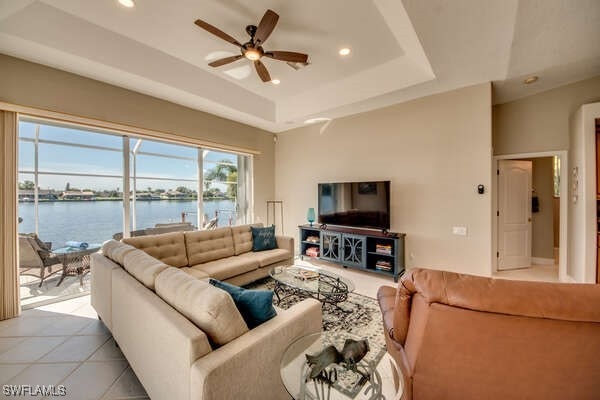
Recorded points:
(223, 171)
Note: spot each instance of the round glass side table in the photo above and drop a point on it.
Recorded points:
(376, 377)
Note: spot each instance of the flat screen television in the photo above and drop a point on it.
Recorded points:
(356, 204)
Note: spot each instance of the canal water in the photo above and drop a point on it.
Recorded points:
(97, 221)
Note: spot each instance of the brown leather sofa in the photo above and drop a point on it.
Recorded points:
(458, 336)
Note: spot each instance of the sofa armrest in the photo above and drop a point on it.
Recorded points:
(101, 268)
(285, 242)
(253, 359)
(386, 296)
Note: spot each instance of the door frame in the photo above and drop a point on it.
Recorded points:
(564, 168)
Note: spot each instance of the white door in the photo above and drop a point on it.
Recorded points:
(514, 214)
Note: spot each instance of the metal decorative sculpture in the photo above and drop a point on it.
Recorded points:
(353, 352)
(349, 357)
(323, 377)
(329, 355)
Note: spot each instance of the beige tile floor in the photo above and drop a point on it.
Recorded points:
(543, 273)
(33, 296)
(65, 344)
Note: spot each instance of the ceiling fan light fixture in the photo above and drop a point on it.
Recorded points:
(252, 54)
(275, 81)
(127, 3)
(344, 51)
(253, 50)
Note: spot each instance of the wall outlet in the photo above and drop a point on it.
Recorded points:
(459, 230)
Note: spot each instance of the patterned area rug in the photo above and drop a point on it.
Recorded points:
(363, 321)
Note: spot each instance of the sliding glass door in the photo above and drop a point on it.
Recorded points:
(73, 187)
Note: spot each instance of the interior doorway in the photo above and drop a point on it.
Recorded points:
(514, 215)
(529, 221)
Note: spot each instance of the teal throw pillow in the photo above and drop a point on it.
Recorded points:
(263, 238)
(256, 306)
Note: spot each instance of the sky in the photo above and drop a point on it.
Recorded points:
(66, 159)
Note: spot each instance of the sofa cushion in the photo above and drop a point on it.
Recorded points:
(256, 306)
(242, 238)
(210, 308)
(228, 267)
(143, 267)
(263, 238)
(269, 257)
(205, 246)
(116, 250)
(108, 247)
(196, 273)
(167, 247)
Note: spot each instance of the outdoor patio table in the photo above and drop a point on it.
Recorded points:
(75, 260)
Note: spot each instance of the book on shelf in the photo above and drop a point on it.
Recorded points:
(303, 273)
(383, 249)
(312, 239)
(385, 253)
(312, 252)
(383, 265)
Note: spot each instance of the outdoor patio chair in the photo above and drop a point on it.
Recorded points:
(139, 232)
(173, 227)
(36, 258)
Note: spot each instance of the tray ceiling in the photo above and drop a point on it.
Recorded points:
(399, 50)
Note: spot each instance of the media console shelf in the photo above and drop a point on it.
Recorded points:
(364, 249)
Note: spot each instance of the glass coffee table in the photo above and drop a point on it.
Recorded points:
(327, 287)
(375, 376)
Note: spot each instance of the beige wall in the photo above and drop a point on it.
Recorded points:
(435, 151)
(34, 85)
(543, 221)
(540, 122)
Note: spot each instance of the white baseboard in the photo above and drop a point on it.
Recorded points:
(542, 261)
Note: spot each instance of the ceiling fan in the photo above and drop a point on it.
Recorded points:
(253, 49)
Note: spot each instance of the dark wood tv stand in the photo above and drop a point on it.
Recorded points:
(365, 249)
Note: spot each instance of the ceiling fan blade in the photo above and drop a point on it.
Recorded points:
(262, 71)
(287, 56)
(217, 32)
(226, 60)
(266, 26)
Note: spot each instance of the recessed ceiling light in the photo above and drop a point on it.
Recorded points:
(127, 3)
(344, 52)
(275, 81)
(316, 120)
(530, 80)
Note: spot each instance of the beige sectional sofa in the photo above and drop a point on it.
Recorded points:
(154, 311)
(224, 253)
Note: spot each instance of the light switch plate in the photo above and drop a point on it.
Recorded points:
(459, 230)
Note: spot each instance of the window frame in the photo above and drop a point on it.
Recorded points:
(129, 182)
